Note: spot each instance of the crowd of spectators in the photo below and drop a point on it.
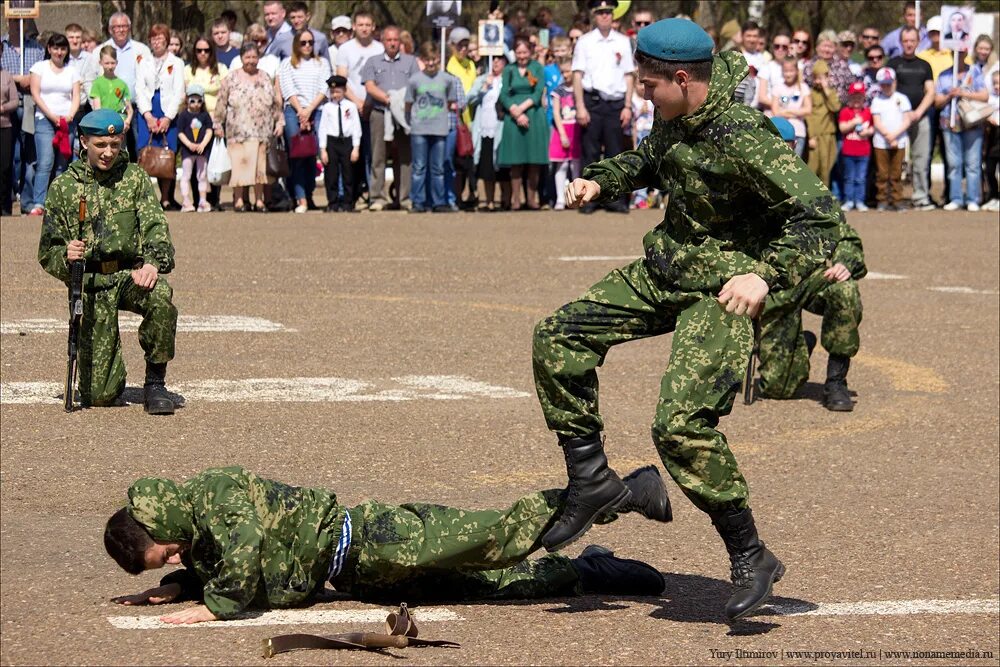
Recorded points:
(391, 126)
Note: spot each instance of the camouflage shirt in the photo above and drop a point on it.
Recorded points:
(740, 201)
(124, 220)
(253, 540)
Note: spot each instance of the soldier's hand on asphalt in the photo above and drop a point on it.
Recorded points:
(158, 595)
(580, 191)
(197, 614)
(837, 273)
(744, 294)
(75, 250)
(145, 276)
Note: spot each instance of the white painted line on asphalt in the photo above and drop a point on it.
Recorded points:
(287, 617)
(961, 289)
(887, 608)
(595, 258)
(130, 322)
(875, 275)
(295, 390)
(339, 260)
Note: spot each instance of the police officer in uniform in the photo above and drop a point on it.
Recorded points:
(603, 80)
(125, 243)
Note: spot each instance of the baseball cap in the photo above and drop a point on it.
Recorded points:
(846, 36)
(856, 88)
(195, 89)
(340, 23)
(885, 75)
(458, 34)
(934, 23)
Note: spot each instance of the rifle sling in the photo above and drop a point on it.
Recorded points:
(401, 632)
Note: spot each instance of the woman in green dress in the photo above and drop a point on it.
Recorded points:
(525, 142)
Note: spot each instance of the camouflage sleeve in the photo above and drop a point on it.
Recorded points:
(157, 247)
(226, 515)
(625, 172)
(850, 252)
(794, 196)
(56, 232)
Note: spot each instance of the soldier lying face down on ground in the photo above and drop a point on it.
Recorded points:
(247, 542)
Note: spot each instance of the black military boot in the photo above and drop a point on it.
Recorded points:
(603, 573)
(754, 569)
(593, 490)
(649, 495)
(156, 400)
(835, 394)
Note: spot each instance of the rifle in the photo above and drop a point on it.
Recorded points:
(754, 351)
(75, 316)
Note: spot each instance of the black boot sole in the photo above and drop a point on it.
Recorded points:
(775, 578)
(839, 407)
(599, 513)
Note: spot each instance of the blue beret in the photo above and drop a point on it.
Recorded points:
(784, 128)
(102, 123)
(675, 40)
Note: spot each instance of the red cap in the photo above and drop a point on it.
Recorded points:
(856, 88)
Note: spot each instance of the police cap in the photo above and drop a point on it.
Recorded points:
(675, 40)
(102, 123)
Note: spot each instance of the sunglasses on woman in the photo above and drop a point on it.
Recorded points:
(873, 58)
(800, 41)
(203, 50)
(306, 42)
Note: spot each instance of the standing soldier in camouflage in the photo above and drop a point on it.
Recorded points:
(126, 245)
(831, 293)
(744, 216)
(248, 542)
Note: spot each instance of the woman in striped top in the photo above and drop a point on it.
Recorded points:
(302, 78)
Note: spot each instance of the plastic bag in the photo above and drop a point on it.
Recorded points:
(219, 165)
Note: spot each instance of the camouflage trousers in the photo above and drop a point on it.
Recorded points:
(784, 356)
(708, 358)
(430, 552)
(102, 368)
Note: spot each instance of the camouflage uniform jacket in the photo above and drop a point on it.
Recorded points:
(850, 252)
(740, 201)
(253, 540)
(124, 220)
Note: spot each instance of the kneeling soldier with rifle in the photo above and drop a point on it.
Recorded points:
(103, 212)
(248, 542)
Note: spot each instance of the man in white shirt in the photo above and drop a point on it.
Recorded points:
(77, 57)
(351, 57)
(130, 54)
(603, 80)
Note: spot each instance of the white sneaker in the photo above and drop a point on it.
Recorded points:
(951, 206)
(860, 206)
(992, 205)
(302, 208)
(376, 206)
(972, 206)
(847, 206)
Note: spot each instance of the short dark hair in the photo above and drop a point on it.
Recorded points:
(699, 71)
(126, 541)
(749, 25)
(909, 29)
(220, 23)
(299, 7)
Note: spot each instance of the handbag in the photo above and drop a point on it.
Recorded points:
(159, 161)
(463, 141)
(973, 113)
(304, 145)
(277, 159)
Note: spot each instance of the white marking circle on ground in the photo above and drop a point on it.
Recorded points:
(130, 322)
(960, 289)
(295, 390)
(888, 608)
(875, 275)
(595, 258)
(287, 617)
